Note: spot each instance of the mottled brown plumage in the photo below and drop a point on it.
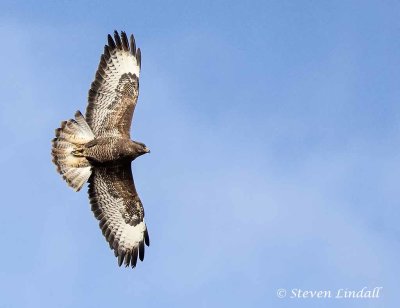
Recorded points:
(99, 150)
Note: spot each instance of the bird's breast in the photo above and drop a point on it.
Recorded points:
(108, 149)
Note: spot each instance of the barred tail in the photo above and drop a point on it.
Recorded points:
(67, 151)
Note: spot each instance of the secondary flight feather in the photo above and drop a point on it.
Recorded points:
(98, 149)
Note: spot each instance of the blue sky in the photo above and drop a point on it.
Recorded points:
(275, 139)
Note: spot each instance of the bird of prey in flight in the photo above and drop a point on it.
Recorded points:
(98, 149)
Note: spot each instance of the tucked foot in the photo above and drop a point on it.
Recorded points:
(78, 153)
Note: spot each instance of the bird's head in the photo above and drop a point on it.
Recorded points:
(140, 148)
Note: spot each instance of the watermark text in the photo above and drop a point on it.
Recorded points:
(341, 293)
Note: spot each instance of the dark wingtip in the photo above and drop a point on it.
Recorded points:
(146, 237)
(134, 257)
(106, 52)
(141, 251)
(78, 114)
(139, 57)
(121, 256)
(132, 45)
(125, 43)
(127, 259)
(117, 40)
(111, 42)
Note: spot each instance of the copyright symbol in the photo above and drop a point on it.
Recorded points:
(281, 293)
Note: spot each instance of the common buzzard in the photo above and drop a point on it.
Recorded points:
(99, 150)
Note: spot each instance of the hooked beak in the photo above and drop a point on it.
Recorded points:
(146, 150)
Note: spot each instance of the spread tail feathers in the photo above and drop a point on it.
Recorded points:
(67, 151)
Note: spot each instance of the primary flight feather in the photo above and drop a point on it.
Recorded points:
(99, 150)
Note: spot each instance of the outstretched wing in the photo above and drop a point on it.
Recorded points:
(116, 204)
(114, 92)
